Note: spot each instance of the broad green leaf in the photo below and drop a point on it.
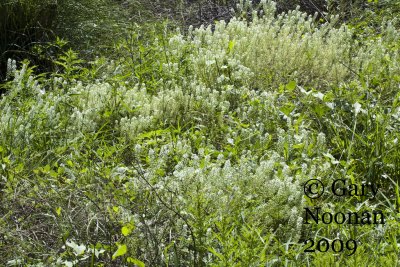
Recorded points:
(60, 170)
(46, 168)
(19, 167)
(58, 210)
(120, 251)
(320, 110)
(127, 229)
(135, 261)
(291, 85)
(287, 108)
(6, 160)
(53, 174)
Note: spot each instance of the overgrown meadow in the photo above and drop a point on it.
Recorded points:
(193, 149)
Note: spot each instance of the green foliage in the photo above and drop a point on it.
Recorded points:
(191, 149)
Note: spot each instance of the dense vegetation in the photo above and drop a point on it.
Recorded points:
(137, 143)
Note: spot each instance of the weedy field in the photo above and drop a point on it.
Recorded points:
(196, 148)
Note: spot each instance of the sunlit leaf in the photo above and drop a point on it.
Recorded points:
(122, 249)
(127, 229)
(291, 86)
(58, 210)
(136, 262)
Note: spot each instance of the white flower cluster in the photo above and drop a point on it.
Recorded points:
(11, 67)
(277, 50)
(270, 186)
(224, 65)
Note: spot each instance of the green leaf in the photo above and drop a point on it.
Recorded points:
(217, 254)
(53, 174)
(136, 262)
(120, 251)
(58, 210)
(287, 108)
(19, 167)
(6, 160)
(291, 86)
(160, 172)
(320, 110)
(127, 229)
(230, 46)
(46, 168)
(300, 146)
(60, 170)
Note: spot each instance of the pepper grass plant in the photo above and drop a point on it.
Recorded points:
(192, 150)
